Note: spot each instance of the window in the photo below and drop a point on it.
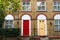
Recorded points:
(57, 22)
(57, 25)
(41, 6)
(26, 6)
(8, 23)
(56, 6)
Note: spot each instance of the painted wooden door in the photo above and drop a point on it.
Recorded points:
(42, 27)
(25, 27)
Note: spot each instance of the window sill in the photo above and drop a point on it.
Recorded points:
(41, 11)
(56, 11)
(56, 31)
(26, 11)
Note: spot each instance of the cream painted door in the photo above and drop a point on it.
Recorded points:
(42, 27)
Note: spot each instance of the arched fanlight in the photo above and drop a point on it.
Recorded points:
(57, 16)
(41, 17)
(9, 17)
(26, 17)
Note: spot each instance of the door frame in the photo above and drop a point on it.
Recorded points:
(41, 17)
(26, 17)
(29, 28)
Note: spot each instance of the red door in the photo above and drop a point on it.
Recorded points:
(25, 27)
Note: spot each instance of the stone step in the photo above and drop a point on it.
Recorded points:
(24, 38)
(35, 38)
(10, 38)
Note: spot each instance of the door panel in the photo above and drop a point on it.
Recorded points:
(42, 27)
(25, 27)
